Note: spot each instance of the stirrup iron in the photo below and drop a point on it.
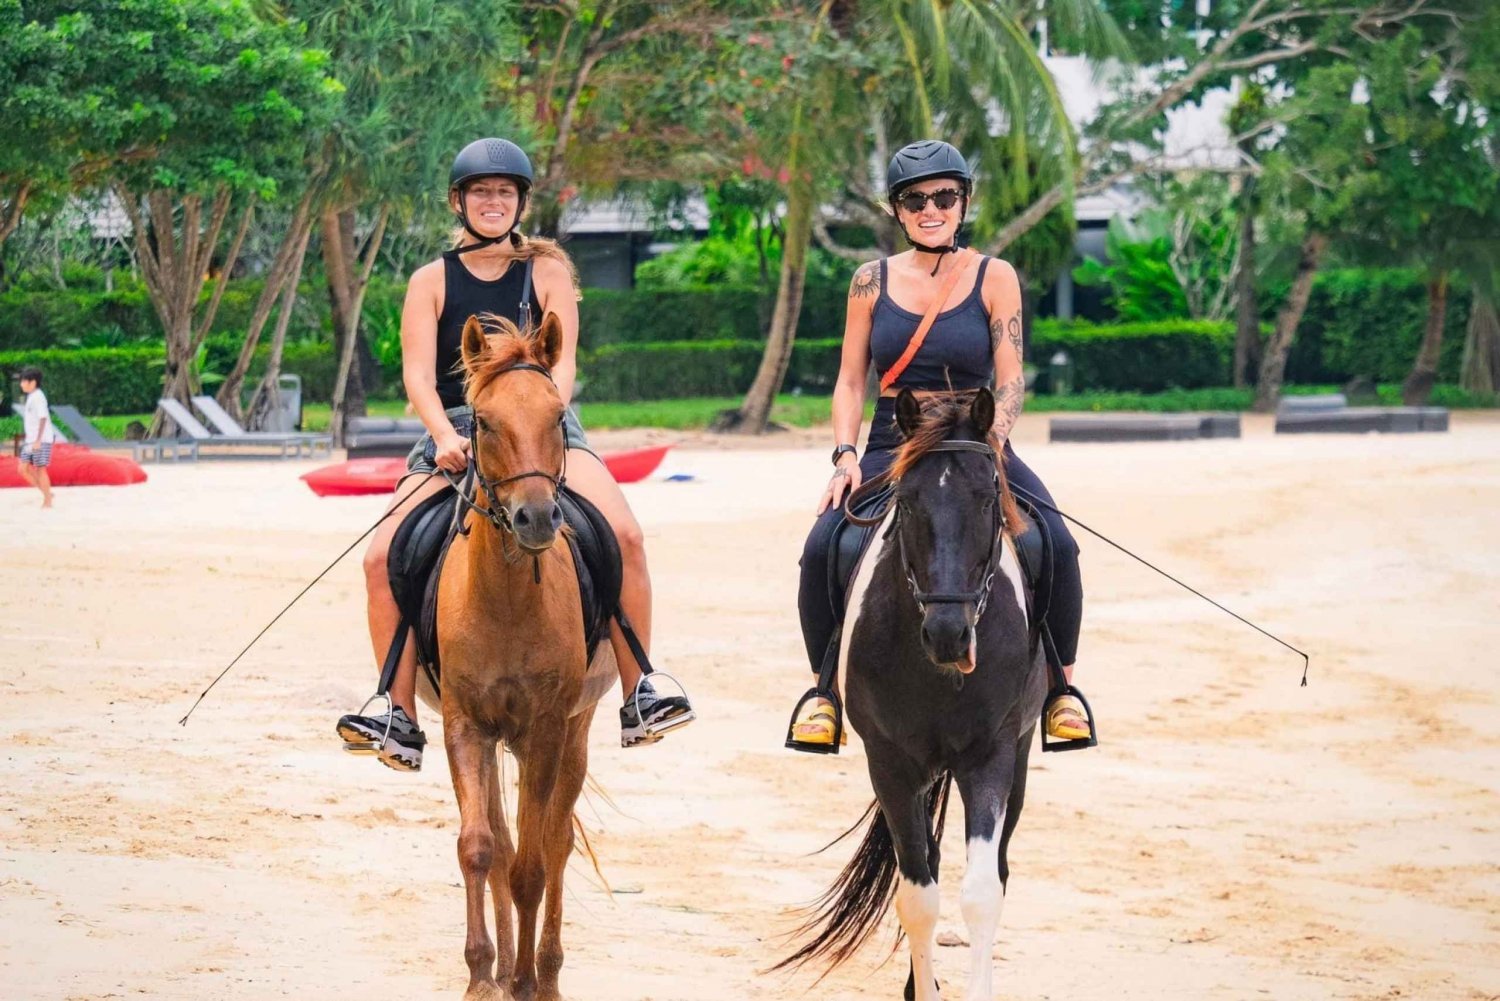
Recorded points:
(655, 732)
(371, 746)
(832, 697)
(1062, 743)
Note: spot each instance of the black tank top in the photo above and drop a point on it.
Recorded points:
(465, 296)
(957, 351)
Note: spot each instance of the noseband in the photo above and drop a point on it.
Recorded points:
(978, 598)
(495, 513)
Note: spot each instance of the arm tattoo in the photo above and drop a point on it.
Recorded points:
(1009, 328)
(1009, 399)
(866, 281)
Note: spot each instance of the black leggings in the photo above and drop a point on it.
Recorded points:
(1065, 605)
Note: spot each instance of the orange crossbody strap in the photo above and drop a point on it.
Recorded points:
(965, 258)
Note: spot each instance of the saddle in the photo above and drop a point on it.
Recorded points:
(420, 547)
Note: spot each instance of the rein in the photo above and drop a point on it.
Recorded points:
(980, 597)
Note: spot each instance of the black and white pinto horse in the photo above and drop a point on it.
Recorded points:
(941, 683)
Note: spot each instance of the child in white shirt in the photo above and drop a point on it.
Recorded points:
(36, 446)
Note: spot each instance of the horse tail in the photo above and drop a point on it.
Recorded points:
(849, 911)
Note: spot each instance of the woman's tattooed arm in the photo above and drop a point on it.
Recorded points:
(1010, 392)
(866, 281)
(1009, 399)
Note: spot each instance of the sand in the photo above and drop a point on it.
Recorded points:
(1234, 836)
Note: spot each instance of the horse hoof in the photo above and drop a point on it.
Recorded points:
(485, 992)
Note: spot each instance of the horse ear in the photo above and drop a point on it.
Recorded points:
(908, 412)
(474, 343)
(550, 338)
(982, 411)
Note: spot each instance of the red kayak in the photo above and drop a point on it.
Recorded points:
(379, 476)
(78, 466)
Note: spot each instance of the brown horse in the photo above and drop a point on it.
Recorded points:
(515, 669)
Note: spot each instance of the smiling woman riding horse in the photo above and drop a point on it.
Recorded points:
(932, 319)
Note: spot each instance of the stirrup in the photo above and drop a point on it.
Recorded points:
(838, 722)
(1062, 743)
(371, 746)
(666, 726)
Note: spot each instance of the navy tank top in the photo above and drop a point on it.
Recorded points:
(464, 296)
(956, 353)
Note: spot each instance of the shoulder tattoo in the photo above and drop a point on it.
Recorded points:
(866, 281)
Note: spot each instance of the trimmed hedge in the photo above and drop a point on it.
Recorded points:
(700, 368)
(127, 380)
(1146, 357)
(617, 316)
(1369, 321)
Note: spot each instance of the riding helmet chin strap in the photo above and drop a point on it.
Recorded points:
(483, 241)
(937, 252)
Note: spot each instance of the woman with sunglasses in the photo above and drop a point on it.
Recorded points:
(492, 268)
(974, 341)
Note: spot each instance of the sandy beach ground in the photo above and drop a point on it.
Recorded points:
(1233, 837)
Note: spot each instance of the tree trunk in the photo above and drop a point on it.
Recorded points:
(348, 269)
(282, 270)
(1273, 364)
(14, 207)
(1417, 388)
(755, 413)
(1247, 344)
(1481, 370)
(267, 397)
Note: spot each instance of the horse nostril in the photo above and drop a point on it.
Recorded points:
(521, 518)
(926, 636)
(557, 517)
(967, 637)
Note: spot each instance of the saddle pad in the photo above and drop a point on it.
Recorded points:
(420, 547)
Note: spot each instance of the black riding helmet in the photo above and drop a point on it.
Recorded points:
(926, 160)
(490, 158)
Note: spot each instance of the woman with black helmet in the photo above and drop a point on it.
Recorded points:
(493, 269)
(973, 341)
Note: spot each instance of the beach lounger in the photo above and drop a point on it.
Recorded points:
(226, 425)
(154, 448)
(288, 446)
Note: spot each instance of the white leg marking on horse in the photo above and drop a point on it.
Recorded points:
(856, 600)
(981, 900)
(917, 907)
(1011, 566)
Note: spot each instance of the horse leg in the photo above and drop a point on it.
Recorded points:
(505, 932)
(986, 791)
(539, 762)
(557, 848)
(471, 759)
(901, 790)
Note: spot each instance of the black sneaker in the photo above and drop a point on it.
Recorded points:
(657, 714)
(401, 749)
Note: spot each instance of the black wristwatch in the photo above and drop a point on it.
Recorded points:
(839, 450)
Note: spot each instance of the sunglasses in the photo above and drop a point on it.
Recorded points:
(916, 201)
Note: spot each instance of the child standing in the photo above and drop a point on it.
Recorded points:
(36, 446)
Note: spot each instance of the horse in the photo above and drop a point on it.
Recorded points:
(943, 682)
(516, 670)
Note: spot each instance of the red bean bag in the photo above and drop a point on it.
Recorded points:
(77, 466)
(379, 476)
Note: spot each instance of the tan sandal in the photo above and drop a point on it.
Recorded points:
(817, 727)
(1066, 720)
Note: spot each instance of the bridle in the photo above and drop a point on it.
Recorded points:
(495, 513)
(978, 598)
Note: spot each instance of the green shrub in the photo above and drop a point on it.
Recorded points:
(1146, 357)
(616, 316)
(127, 380)
(1368, 321)
(700, 368)
(96, 380)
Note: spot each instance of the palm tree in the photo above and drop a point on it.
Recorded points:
(968, 69)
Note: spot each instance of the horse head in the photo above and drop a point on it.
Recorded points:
(948, 517)
(518, 445)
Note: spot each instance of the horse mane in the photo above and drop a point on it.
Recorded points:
(943, 414)
(508, 346)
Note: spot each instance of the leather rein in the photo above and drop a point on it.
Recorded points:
(978, 598)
